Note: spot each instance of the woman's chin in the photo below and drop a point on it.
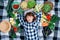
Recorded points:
(29, 21)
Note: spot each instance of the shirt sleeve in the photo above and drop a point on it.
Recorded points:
(38, 16)
(21, 20)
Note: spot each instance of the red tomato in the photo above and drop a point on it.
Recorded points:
(48, 17)
(15, 29)
(15, 6)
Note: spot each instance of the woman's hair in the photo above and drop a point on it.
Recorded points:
(30, 14)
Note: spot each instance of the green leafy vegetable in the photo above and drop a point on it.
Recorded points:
(31, 4)
(11, 14)
(17, 22)
(12, 33)
(54, 18)
(9, 8)
(46, 8)
(20, 11)
(51, 26)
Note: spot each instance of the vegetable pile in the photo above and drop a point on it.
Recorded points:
(14, 8)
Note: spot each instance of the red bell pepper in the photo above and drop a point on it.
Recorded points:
(48, 17)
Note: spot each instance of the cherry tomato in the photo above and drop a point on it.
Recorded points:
(15, 29)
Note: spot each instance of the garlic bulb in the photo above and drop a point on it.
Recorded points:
(24, 5)
(12, 21)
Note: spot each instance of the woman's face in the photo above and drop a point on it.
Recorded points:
(29, 18)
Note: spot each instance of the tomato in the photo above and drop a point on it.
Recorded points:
(48, 17)
(15, 6)
(15, 29)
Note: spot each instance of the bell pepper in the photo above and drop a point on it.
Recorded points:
(48, 17)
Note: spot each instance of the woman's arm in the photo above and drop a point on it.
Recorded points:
(38, 16)
(20, 17)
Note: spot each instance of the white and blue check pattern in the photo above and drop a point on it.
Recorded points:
(55, 35)
(31, 29)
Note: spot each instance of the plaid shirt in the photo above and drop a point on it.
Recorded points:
(55, 35)
(31, 29)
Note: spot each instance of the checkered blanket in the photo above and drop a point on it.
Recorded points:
(55, 35)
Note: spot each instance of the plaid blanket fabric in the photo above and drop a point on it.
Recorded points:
(55, 35)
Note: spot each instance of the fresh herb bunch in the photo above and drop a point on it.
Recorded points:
(53, 20)
(9, 8)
